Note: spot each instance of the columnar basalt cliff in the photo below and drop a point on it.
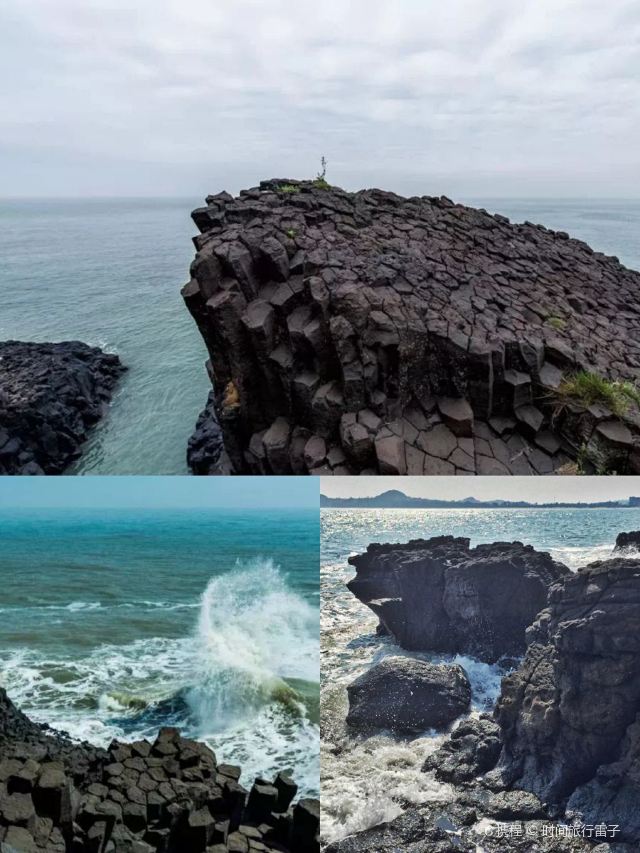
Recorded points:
(441, 595)
(168, 796)
(354, 332)
(51, 395)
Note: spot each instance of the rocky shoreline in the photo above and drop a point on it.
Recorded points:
(369, 333)
(51, 395)
(555, 766)
(166, 796)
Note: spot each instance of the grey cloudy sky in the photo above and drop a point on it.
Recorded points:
(466, 97)
(534, 489)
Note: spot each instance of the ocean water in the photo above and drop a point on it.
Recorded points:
(369, 779)
(114, 623)
(109, 272)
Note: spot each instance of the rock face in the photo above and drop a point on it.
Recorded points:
(441, 595)
(169, 796)
(409, 335)
(205, 450)
(407, 695)
(50, 397)
(570, 714)
(627, 541)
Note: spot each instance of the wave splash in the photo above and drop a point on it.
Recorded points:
(252, 634)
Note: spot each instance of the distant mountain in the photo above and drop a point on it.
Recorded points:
(394, 499)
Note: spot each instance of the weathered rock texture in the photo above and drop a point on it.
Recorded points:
(169, 796)
(407, 695)
(50, 397)
(441, 595)
(570, 715)
(627, 542)
(363, 331)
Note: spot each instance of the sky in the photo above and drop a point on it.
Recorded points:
(172, 98)
(159, 492)
(533, 489)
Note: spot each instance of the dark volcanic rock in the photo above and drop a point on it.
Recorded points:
(205, 450)
(169, 796)
(441, 595)
(628, 541)
(472, 749)
(415, 335)
(570, 714)
(407, 695)
(50, 397)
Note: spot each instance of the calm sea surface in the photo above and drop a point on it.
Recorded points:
(367, 779)
(109, 272)
(114, 623)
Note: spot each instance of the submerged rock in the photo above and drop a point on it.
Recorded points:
(441, 595)
(169, 796)
(407, 695)
(413, 335)
(51, 395)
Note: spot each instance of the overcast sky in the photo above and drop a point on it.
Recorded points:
(178, 97)
(534, 489)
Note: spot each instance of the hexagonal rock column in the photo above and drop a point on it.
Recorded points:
(404, 335)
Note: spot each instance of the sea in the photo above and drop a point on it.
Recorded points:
(368, 779)
(109, 272)
(114, 623)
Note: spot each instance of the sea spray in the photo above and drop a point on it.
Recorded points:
(252, 634)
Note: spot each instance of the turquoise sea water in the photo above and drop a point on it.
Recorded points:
(109, 272)
(366, 780)
(114, 623)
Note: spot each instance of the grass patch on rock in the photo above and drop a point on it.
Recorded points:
(589, 389)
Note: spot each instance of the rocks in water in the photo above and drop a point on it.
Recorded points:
(628, 541)
(410, 335)
(407, 695)
(441, 595)
(570, 714)
(473, 748)
(51, 395)
(168, 796)
(205, 450)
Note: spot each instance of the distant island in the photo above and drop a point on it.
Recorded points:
(394, 499)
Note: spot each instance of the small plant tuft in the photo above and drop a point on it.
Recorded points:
(291, 233)
(589, 388)
(556, 323)
(289, 188)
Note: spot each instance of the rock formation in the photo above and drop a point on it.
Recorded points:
(407, 695)
(562, 748)
(169, 796)
(441, 595)
(50, 397)
(570, 715)
(627, 542)
(353, 332)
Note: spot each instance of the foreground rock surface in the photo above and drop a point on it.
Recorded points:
(51, 395)
(407, 695)
(442, 595)
(169, 796)
(363, 331)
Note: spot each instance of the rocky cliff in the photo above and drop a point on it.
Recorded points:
(51, 395)
(441, 595)
(166, 796)
(353, 332)
(570, 715)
